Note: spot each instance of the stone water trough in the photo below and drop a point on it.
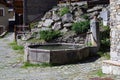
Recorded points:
(55, 53)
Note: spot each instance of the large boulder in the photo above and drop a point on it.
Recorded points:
(67, 18)
(48, 22)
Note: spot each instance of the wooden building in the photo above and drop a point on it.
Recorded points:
(6, 15)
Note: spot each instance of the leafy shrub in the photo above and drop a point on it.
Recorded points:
(48, 35)
(105, 39)
(80, 27)
(63, 10)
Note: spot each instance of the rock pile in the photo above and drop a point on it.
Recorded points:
(61, 18)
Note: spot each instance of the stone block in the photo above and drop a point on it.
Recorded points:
(111, 67)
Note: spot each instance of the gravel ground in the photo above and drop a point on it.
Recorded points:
(10, 67)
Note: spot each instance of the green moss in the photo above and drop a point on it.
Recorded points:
(27, 64)
(33, 25)
(15, 46)
(99, 73)
(104, 54)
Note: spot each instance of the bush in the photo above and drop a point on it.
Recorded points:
(63, 10)
(80, 27)
(48, 35)
(105, 39)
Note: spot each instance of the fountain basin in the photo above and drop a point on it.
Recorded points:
(55, 53)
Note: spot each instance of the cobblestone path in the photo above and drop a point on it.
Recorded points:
(10, 67)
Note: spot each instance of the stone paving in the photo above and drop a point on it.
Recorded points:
(10, 67)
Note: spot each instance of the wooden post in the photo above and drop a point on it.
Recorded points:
(15, 33)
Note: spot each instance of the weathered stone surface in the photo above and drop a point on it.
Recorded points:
(96, 8)
(48, 15)
(105, 16)
(111, 67)
(115, 49)
(48, 22)
(67, 25)
(67, 18)
(57, 26)
(78, 19)
(40, 24)
(55, 17)
(78, 12)
(44, 28)
(94, 28)
(64, 30)
(57, 56)
(68, 35)
(77, 39)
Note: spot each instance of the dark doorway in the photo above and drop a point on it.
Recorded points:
(11, 26)
(18, 19)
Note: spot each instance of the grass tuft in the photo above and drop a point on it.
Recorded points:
(15, 46)
(27, 64)
(100, 73)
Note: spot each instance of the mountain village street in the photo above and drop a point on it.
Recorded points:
(11, 67)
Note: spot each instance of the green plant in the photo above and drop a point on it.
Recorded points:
(85, 16)
(12, 43)
(103, 54)
(15, 46)
(80, 27)
(99, 73)
(27, 64)
(64, 10)
(105, 42)
(105, 38)
(48, 35)
(89, 44)
(33, 24)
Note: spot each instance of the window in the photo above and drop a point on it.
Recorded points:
(2, 12)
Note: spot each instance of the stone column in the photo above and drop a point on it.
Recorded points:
(115, 30)
(94, 28)
(112, 66)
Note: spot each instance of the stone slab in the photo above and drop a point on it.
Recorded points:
(111, 67)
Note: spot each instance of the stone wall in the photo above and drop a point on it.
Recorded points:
(115, 29)
(36, 8)
(112, 66)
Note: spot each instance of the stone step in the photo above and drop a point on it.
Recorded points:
(111, 67)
